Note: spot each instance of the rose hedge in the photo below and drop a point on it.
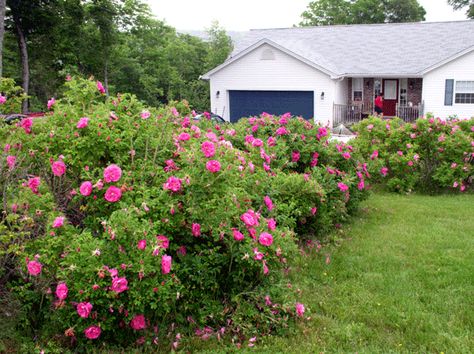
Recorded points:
(132, 224)
(430, 155)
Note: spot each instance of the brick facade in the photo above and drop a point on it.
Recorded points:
(415, 87)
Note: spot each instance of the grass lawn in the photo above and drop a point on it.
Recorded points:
(401, 279)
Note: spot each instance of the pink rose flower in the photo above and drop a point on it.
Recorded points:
(374, 155)
(213, 166)
(165, 264)
(11, 160)
(265, 239)
(208, 149)
(34, 268)
(112, 173)
(33, 184)
(84, 309)
(173, 184)
(346, 155)
(26, 124)
(58, 168)
(92, 332)
(238, 236)
(257, 143)
(196, 230)
(51, 103)
(86, 188)
(119, 285)
(3, 99)
(295, 156)
(141, 245)
(271, 224)
(343, 187)
(281, 131)
(113, 194)
(384, 171)
(100, 87)
(271, 141)
(58, 222)
(299, 309)
(145, 115)
(361, 185)
(268, 202)
(163, 241)
(184, 137)
(61, 291)
(138, 322)
(250, 218)
(83, 122)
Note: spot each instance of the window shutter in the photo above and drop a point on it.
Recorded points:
(449, 92)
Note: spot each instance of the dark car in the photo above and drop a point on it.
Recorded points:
(12, 118)
(210, 116)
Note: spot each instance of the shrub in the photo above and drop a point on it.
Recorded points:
(134, 223)
(429, 155)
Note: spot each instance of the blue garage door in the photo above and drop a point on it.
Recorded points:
(252, 103)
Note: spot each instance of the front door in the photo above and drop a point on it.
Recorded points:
(390, 97)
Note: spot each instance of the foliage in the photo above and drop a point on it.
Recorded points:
(430, 155)
(120, 43)
(328, 12)
(461, 4)
(403, 264)
(12, 96)
(163, 225)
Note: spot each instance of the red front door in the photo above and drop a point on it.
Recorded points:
(390, 97)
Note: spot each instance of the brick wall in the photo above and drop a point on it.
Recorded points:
(368, 94)
(414, 93)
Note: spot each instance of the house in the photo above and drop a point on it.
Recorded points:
(331, 73)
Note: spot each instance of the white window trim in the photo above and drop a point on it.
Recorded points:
(353, 86)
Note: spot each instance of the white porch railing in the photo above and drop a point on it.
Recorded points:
(410, 113)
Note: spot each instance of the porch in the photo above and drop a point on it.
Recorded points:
(402, 98)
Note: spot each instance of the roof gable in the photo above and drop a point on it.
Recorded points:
(272, 44)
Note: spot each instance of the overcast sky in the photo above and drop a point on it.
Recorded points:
(241, 15)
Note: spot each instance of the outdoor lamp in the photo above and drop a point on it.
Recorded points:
(322, 96)
(217, 94)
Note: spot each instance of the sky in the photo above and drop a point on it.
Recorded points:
(242, 15)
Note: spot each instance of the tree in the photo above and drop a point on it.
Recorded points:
(28, 18)
(336, 12)
(461, 4)
(220, 45)
(3, 5)
(326, 12)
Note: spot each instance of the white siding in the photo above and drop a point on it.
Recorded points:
(284, 73)
(461, 69)
(341, 92)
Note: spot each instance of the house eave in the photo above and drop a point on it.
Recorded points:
(380, 75)
(447, 60)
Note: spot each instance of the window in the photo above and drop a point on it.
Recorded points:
(403, 92)
(357, 86)
(464, 92)
(377, 87)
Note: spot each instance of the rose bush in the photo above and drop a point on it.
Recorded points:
(430, 155)
(141, 224)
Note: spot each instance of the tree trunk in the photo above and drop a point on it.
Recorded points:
(25, 69)
(106, 76)
(3, 4)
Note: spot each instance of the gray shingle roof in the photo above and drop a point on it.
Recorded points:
(402, 48)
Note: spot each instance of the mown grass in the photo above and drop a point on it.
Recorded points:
(401, 279)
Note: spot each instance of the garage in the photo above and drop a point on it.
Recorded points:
(253, 103)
